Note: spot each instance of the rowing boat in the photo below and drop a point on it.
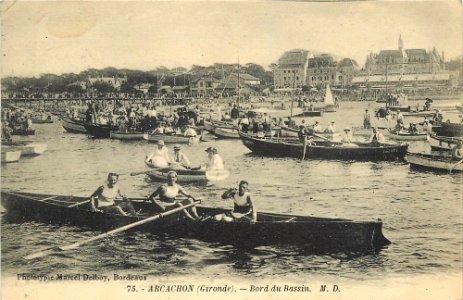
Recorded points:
(26, 148)
(443, 143)
(313, 233)
(73, 126)
(434, 162)
(448, 129)
(22, 131)
(170, 139)
(186, 175)
(10, 155)
(324, 150)
(406, 136)
(98, 130)
(225, 132)
(129, 136)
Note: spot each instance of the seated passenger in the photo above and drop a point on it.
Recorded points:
(243, 208)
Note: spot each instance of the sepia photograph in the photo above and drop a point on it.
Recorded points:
(231, 149)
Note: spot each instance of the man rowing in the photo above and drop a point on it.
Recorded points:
(243, 208)
(167, 197)
(109, 199)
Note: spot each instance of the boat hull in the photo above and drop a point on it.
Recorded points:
(226, 133)
(405, 136)
(73, 126)
(97, 130)
(27, 149)
(292, 148)
(18, 131)
(42, 121)
(10, 156)
(313, 233)
(448, 129)
(434, 162)
(170, 139)
(441, 143)
(131, 136)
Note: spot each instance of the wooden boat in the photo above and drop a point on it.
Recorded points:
(10, 155)
(170, 139)
(448, 129)
(435, 162)
(311, 113)
(41, 121)
(326, 150)
(97, 130)
(312, 233)
(443, 143)
(129, 136)
(73, 126)
(211, 125)
(26, 148)
(21, 131)
(226, 132)
(397, 108)
(423, 113)
(185, 175)
(293, 132)
(406, 136)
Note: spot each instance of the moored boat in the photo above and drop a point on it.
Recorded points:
(406, 136)
(443, 143)
(129, 136)
(41, 121)
(314, 233)
(424, 113)
(98, 130)
(435, 162)
(186, 175)
(22, 131)
(73, 126)
(226, 132)
(448, 129)
(26, 148)
(170, 139)
(10, 155)
(353, 151)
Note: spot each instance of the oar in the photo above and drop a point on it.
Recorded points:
(114, 231)
(305, 148)
(453, 166)
(139, 172)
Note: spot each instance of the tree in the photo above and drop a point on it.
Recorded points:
(102, 88)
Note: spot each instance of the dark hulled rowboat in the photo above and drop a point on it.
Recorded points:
(73, 126)
(294, 148)
(97, 130)
(448, 129)
(313, 233)
(21, 131)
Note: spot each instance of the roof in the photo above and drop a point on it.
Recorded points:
(322, 61)
(416, 52)
(347, 62)
(246, 77)
(293, 57)
(180, 87)
(390, 53)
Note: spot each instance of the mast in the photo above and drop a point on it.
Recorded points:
(238, 103)
(386, 86)
(292, 98)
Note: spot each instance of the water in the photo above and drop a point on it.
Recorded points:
(422, 211)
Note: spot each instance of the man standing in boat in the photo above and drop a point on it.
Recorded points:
(109, 199)
(167, 197)
(243, 208)
(366, 119)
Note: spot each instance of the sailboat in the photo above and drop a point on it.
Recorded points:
(328, 105)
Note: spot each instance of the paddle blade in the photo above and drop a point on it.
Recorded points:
(42, 253)
(217, 175)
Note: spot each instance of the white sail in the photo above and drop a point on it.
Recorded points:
(329, 100)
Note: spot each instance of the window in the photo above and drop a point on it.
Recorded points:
(284, 78)
(284, 71)
(297, 77)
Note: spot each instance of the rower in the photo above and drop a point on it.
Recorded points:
(243, 208)
(376, 137)
(167, 197)
(331, 128)
(109, 199)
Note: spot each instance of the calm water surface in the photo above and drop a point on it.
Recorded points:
(422, 211)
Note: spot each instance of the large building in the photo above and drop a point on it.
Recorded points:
(403, 69)
(291, 71)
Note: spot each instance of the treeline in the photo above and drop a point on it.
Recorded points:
(75, 83)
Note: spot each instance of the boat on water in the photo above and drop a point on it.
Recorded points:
(311, 112)
(286, 131)
(27, 148)
(129, 136)
(406, 136)
(10, 155)
(170, 139)
(317, 109)
(422, 113)
(225, 132)
(98, 131)
(443, 143)
(41, 121)
(435, 162)
(448, 129)
(186, 175)
(73, 126)
(312, 233)
(22, 131)
(324, 150)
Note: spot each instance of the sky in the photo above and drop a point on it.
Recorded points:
(62, 37)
